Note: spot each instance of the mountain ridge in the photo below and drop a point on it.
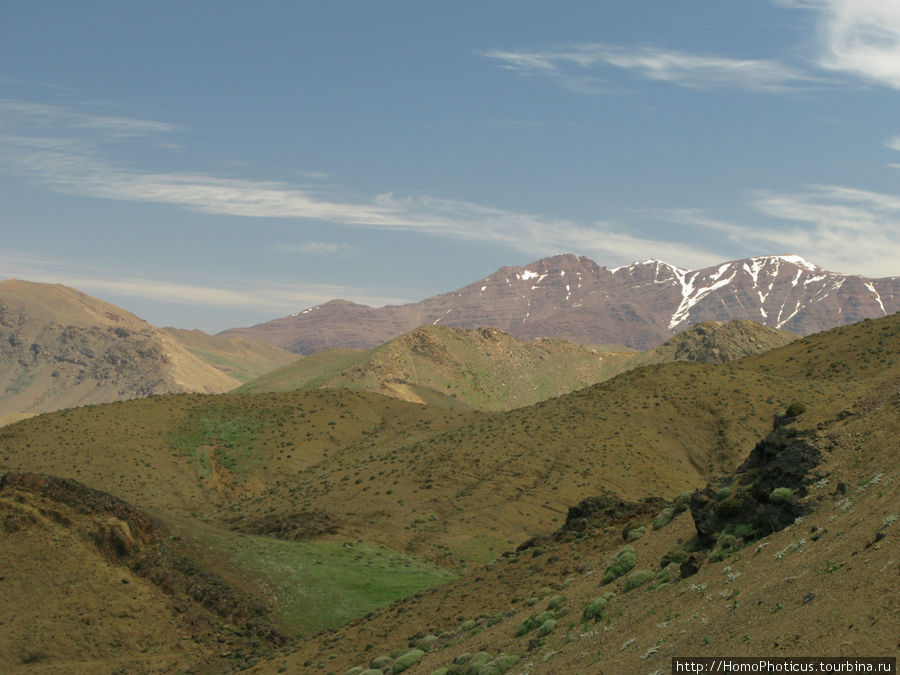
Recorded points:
(571, 297)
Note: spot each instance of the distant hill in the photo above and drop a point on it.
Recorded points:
(715, 342)
(571, 297)
(61, 348)
(243, 360)
(485, 369)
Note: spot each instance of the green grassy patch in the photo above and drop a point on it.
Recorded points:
(315, 586)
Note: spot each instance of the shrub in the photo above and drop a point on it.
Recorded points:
(475, 663)
(381, 662)
(547, 627)
(795, 410)
(408, 660)
(664, 518)
(426, 644)
(596, 609)
(723, 492)
(467, 625)
(636, 533)
(556, 602)
(621, 563)
(780, 495)
(683, 502)
(675, 554)
(637, 578)
(355, 670)
(501, 664)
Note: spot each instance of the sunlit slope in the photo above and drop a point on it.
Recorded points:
(802, 590)
(484, 369)
(61, 348)
(240, 359)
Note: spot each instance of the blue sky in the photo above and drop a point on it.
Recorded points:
(215, 164)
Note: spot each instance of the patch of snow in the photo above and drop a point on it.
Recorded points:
(800, 262)
(690, 296)
(435, 322)
(482, 288)
(811, 280)
(871, 287)
(526, 275)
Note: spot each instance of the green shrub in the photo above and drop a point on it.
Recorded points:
(355, 670)
(637, 578)
(467, 625)
(426, 644)
(675, 554)
(664, 518)
(795, 410)
(462, 659)
(636, 533)
(380, 662)
(683, 502)
(372, 671)
(441, 671)
(475, 663)
(621, 563)
(596, 609)
(547, 627)
(723, 493)
(408, 660)
(499, 665)
(556, 602)
(781, 495)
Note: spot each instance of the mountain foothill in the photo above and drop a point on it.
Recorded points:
(560, 468)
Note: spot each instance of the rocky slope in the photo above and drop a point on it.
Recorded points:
(571, 297)
(62, 348)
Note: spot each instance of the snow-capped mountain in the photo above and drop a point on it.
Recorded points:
(639, 305)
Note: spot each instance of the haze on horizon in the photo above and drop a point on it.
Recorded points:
(211, 165)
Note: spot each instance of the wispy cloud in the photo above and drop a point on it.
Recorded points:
(318, 248)
(74, 164)
(842, 229)
(857, 37)
(583, 67)
(258, 296)
(31, 114)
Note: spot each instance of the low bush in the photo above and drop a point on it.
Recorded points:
(621, 563)
(637, 578)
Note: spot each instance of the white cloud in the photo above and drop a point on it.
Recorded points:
(841, 229)
(257, 296)
(579, 68)
(893, 143)
(30, 114)
(857, 37)
(314, 248)
(73, 166)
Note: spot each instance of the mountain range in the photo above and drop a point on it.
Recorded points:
(571, 297)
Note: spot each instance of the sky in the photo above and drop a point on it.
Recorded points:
(211, 164)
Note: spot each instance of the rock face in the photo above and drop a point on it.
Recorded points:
(571, 297)
(763, 494)
(61, 348)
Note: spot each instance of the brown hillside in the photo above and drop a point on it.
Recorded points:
(61, 348)
(485, 369)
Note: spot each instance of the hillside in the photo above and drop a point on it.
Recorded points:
(61, 348)
(571, 602)
(571, 297)
(265, 489)
(242, 360)
(483, 369)
(715, 342)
